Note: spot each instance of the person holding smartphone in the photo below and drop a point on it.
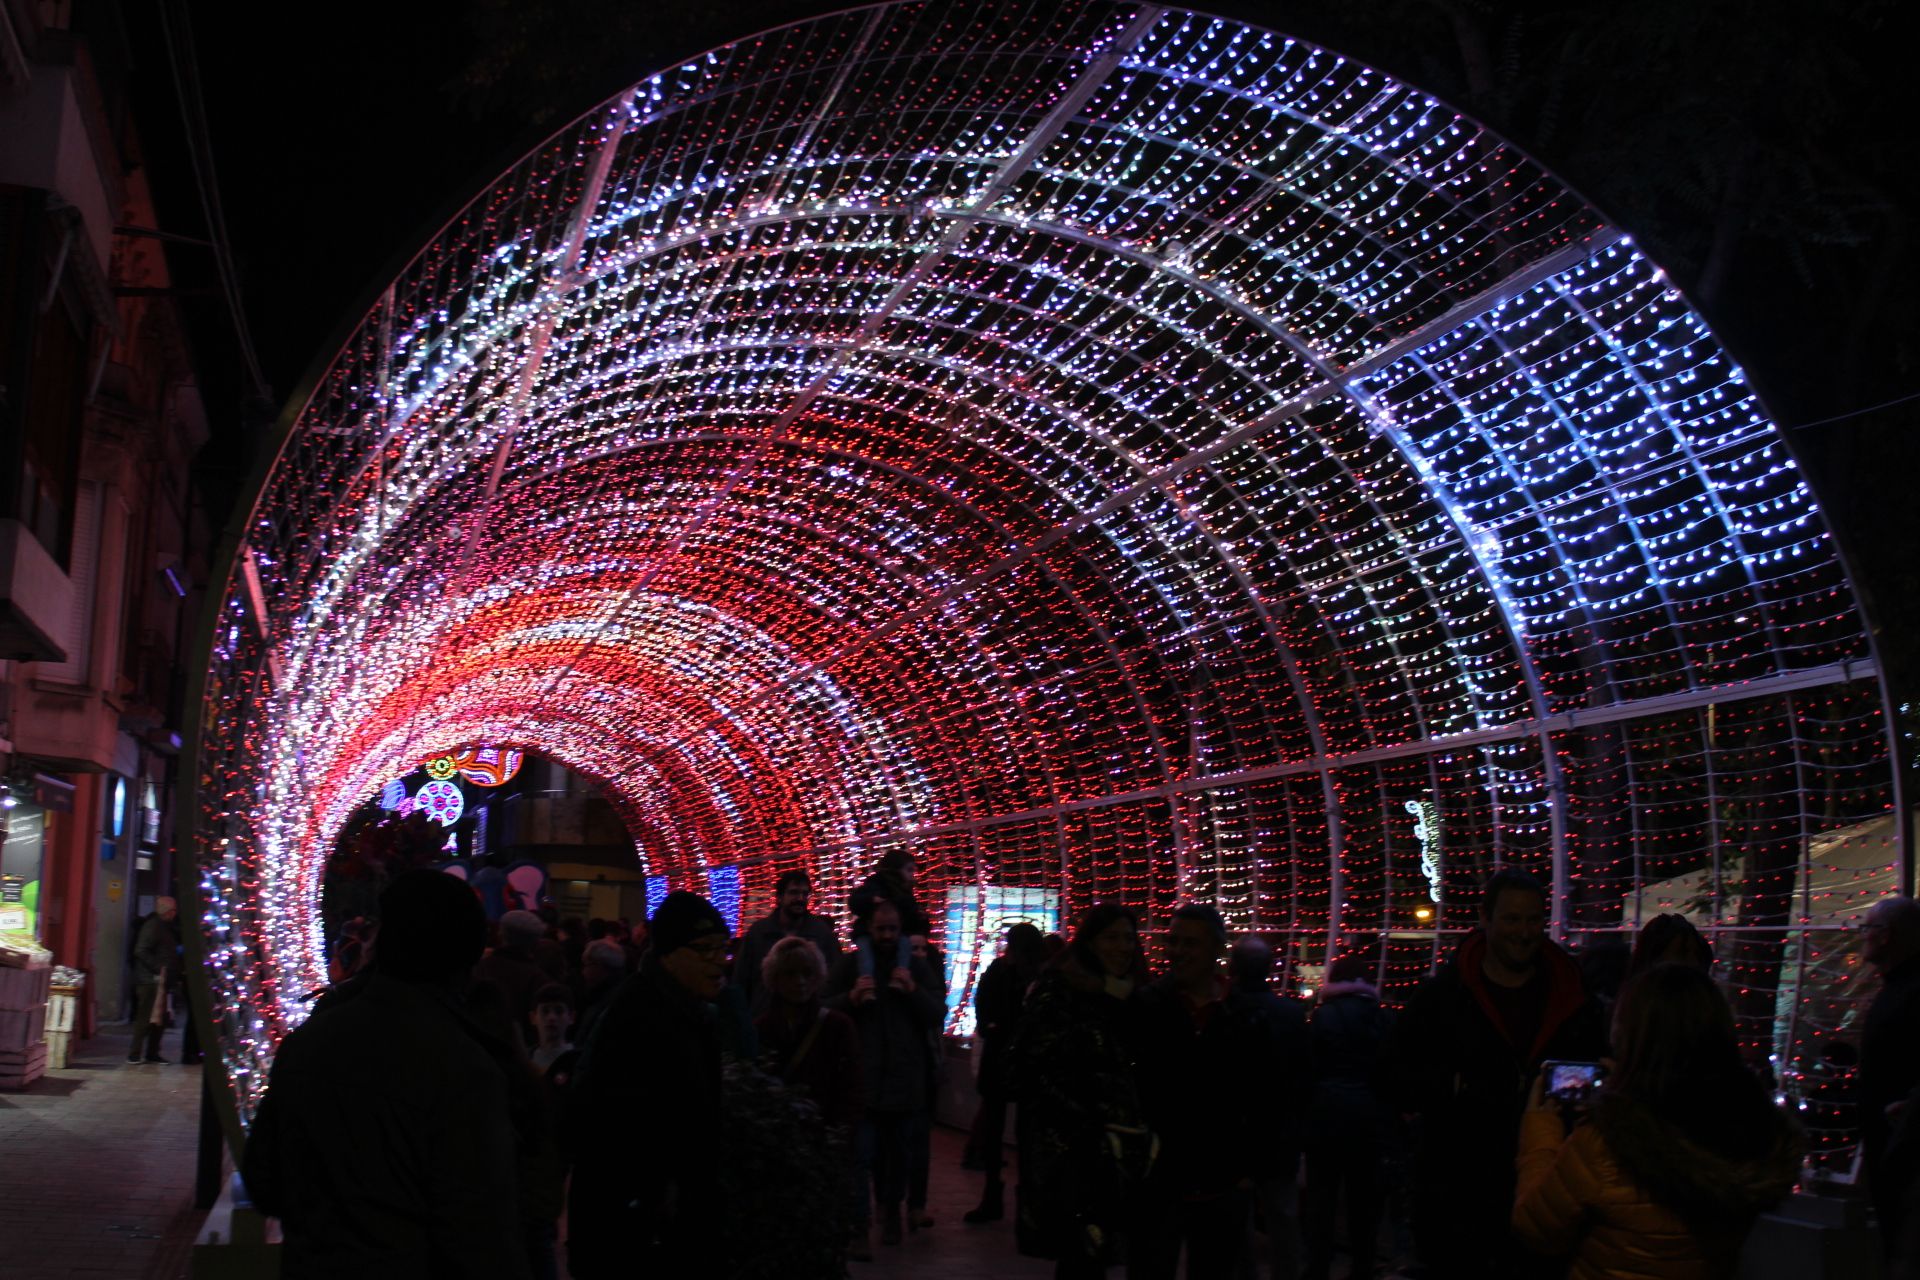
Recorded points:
(1464, 1050)
(1668, 1161)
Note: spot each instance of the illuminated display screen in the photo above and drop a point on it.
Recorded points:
(1106, 449)
(978, 917)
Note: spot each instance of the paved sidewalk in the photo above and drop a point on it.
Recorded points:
(96, 1180)
(96, 1167)
(952, 1250)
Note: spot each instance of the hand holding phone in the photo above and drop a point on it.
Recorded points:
(1572, 1084)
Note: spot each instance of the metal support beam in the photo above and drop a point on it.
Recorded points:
(1814, 677)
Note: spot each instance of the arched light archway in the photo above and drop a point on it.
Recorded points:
(1098, 446)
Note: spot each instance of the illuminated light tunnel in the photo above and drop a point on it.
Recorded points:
(1108, 450)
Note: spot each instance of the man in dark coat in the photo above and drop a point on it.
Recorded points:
(1281, 1025)
(1348, 1127)
(1890, 1060)
(603, 965)
(1466, 1050)
(514, 966)
(645, 1110)
(383, 1143)
(895, 1002)
(1204, 1063)
(155, 956)
(789, 919)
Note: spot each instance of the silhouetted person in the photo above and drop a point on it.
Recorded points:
(156, 952)
(895, 1002)
(814, 1050)
(514, 966)
(384, 1143)
(539, 1170)
(1281, 1026)
(998, 1003)
(1683, 1147)
(1669, 939)
(790, 918)
(892, 881)
(1083, 1134)
(920, 1127)
(1890, 1062)
(1465, 1050)
(551, 1017)
(1204, 1077)
(603, 964)
(645, 1196)
(1348, 1127)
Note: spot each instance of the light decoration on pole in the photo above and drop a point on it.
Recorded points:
(1104, 450)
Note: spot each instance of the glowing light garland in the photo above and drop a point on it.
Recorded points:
(1113, 452)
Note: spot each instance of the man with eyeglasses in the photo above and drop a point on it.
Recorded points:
(789, 919)
(645, 1197)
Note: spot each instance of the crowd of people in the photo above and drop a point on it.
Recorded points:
(1508, 1121)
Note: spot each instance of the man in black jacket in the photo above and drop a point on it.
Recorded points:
(891, 881)
(1466, 1050)
(1206, 1059)
(645, 1196)
(155, 956)
(1348, 1128)
(789, 919)
(383, 1143)
(1890, 1059)
(895, 1001)
(1282, 1044)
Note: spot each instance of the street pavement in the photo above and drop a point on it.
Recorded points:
(96, 1167)
(96, 1180)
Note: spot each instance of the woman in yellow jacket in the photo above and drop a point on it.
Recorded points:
(1682, 1150)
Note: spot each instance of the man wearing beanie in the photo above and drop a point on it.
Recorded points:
(383, 1144)
(648, 1082)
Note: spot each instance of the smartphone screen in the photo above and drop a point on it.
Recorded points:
(1573, 1081)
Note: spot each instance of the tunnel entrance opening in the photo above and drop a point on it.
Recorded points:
(1108, 451)
(526, 830)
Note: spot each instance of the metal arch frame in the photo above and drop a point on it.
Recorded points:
(1121, 664)
(1846, 671)
(1056, 119)
(1662, 409)
(1330, 383)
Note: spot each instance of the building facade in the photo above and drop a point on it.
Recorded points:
(102, 538)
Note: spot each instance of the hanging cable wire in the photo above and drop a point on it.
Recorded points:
(1855, 413)
(193, 115)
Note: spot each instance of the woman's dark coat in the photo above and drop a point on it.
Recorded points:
(1074, 1075)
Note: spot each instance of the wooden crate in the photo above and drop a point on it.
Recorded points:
(24, 988)
(22, 1027)
(18, 1069)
